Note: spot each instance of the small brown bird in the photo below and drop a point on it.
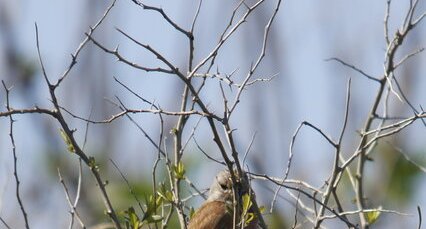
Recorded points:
(217, 211)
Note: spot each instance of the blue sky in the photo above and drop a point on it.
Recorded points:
(307, 88)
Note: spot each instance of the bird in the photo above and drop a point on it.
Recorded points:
(217, 211)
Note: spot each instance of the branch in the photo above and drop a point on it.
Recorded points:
(310, 197)
(167, 18)
(419, 211)
(83, 43)
(126, 111)
(89, 161)
(124, 60)
(15, 160)
(4, 223)
(331, 188)
(73, 206)
(225, 37)
(38, 110)
(348, 213)
(353, 68)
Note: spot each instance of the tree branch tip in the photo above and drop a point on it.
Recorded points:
(119, 30)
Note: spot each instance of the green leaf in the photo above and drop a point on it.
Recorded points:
(191, 212)
(246, 203)
(152, 205)
(67, 140)
(248, 216)
(262, 209)
(165, 195)
(179, 170)
(132, 219)
(373, 216)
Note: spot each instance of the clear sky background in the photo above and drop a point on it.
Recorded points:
(304, 34)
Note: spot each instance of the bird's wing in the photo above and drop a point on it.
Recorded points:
(211, 215)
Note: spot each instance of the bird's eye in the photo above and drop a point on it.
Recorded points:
(223, 186)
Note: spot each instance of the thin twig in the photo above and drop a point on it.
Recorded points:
(226, 37)
(83, 43)
(407, 158)
(4, 223)
(15, 159)
(259, 60)
(297, 211)
(419, 212)
(133, 111)
(408, 56)
(165, 16)
(386, 22)
(310, 197)
(331, 188)
(128, 62)
(89, 161)
(280, 181)
(353, 68)
(128, 184)
(73, 211)
(249, 147)
(366, 211)
(206, 154)
(200, 193)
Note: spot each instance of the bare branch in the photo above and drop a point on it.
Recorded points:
(124, 60)
(261, 80)
(147, 136)
(165, 16)
(366, 211)
(4, 223)
(200, 193)
(226, 37)
(73, 211)
(33, 110)
(249, 147)
(132, 111)
(259, 59)
(310, 197)
(15, 160)
(128, 184)
(353, 68)
(41, 60)
(408, 56)
(419, 211)
(83, 43)
(207, 155)
(331, 188)
(159, 56)
(386, 22)
(89, 161)
(399, 150)
(279, 181)
(291, 153)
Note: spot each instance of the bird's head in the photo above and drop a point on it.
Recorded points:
(221, 188)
